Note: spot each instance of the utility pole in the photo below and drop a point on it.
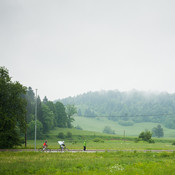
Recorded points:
(35, 117)
(124, 135)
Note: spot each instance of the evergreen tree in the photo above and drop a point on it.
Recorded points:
(158, 131)
(60, 116)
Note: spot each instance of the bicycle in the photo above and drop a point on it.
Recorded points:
(62, 149)
(44, 150)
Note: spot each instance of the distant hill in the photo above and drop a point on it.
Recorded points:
(127, 107)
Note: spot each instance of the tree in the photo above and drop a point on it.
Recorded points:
(89, 113)
(70, 111)
(12, 110)
(45, 100)
(30, 98)
(146, 136)
(31, 129)
(108, 130)
(60, 115)
(158, 131)
(39, 109)
(51, 106)
(47, 118)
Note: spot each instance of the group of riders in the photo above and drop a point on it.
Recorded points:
(62, 145)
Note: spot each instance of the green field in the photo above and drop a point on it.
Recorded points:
(96, 140)
(122, 155)
(106, 163)
(98, 124)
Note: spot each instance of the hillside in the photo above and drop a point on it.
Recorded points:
(98, 125)
(127, 107)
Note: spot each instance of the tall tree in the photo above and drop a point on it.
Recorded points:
(61, 117)
(39, 109)
(45, 100)
(47, 118)
(70, 110)
(30, 97)
(12, 110)
(158, 131)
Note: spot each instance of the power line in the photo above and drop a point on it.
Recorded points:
(137, 115)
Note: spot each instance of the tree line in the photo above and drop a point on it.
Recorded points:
(127, 108)
(17, 112)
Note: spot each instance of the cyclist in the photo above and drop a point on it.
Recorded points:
(62, 145)
(45, 145)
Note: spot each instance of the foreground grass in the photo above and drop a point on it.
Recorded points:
(129, 163)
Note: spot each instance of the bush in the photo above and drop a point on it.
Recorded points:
(69, 134)
(108, 130)
(151, 141)
(61, 135)
(146, 136)
(173, 143)
(78, 127)
(136, 140)
(98, 140)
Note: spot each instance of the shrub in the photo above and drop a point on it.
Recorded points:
(137, 140)
(108, 130)
(151, 141)
(173, 143)
(78, 127)
(146, 136)
(98, 140)
(69, 134)
(61, 135)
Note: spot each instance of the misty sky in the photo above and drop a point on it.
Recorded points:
(68, 47)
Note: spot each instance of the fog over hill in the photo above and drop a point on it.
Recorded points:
(126, 107)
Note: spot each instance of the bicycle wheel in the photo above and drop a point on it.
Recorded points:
(48, 150)
(40, 149)
(66, 149)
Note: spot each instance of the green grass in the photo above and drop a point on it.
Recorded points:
(98, 124)
(107, 145)
(106, 163)
(111, 142)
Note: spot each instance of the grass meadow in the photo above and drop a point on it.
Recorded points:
(106, 145)
(83, 163)
(121, 156)
(96, 140)
(98, 124)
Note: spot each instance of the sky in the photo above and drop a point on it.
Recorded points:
(69, 47)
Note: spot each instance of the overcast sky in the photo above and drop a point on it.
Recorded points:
(68, 47)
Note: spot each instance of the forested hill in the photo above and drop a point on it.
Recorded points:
(135, 106)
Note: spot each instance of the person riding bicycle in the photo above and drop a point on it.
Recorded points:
(62, 145)
(45, 145)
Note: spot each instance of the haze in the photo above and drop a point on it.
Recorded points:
(65, 48)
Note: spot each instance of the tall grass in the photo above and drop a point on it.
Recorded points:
(106, 163)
